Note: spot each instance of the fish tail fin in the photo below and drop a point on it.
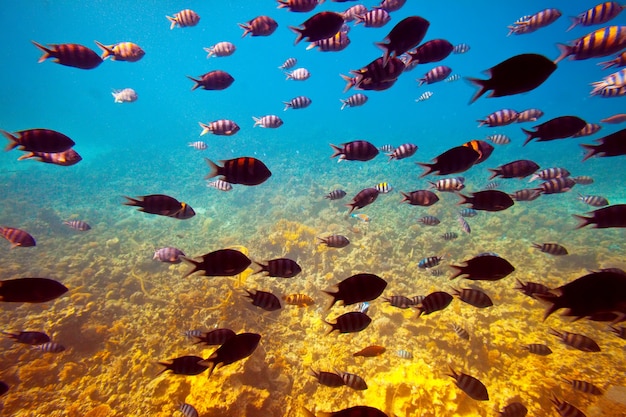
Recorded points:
(464, 199)
(337, 150)
(27, 155)
(12, 140)
(494, 172)
(287, 105)
(257, 121)
(349, 82)
(575, 21)
(453, 373)
(298, 32)
(386, 54)
(429, 168)
(551, 299)
(132, 201)
(457, 273)
(246, 29)
(352, 207)
(582, 221)
(591, 151)
(311, 46)
(214, 169)
(482, 87)
(529, 136)
(46, 52)
(173, 20)
(607, 64)
(344, 103)
(195, 81)
(566, 51)
(205, 128)
(195, 264)
(106, 51)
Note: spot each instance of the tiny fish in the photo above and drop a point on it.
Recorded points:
(335, 241)
(354, 101)
(449, 236)
(50, 347)
(404, 354)
(363, 307)
(299, 74)
(188, 410)
(583, 386)
(429, 262)
(296, 103)
(514, 409)
(461, 48)
(551, 248)
(361, 216)
(374, 18)
(429, 220)
(583, 180)
(593, 200)
(288, 64)
(565, 409)
(169, 255)
(300, 300)
(383, 187)
(386, 148)
(370, 351)
(461, 332)
(465, 226)
(335, 195)
(220, 49)
(538, 349)
(266, 300)
(77, 225)
(123, 51)
(526, 194)
(425, 96)
(448, 184)
(126, 95)
(399, 301)
(403, 151)
(270, 121)
(468, 212)
(499, 139)
(198, 145)
(219, 185)
(577, 341)
(452, 78)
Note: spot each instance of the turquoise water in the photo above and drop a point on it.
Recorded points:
(141, 148)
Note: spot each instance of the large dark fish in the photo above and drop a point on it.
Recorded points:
(452, 161)
(470, 385)
(358, 150)
(244, 170)
(514, 409)
(420, 198)
(320, 26)
(266, 300)
(363, 198)
(516, 169)
(351, 322)
(222, 262)
(591, 294)
(160, 204)
(484, 267)
(432, 51)
(488, 200)
(17, 237)
(234, 349)
(29, 337)
(280, 267)
(611, 216)
(610, 145)
(515, 75)
(406, 34)
(31, 290)
(557, 128)
(185, 365)
(357, 288)
(434, 301)
(213, 80)
(70, 55)
(38, 140)
(356, 411)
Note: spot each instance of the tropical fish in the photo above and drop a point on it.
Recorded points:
(406, 34)
(336, 43)
(399, 301)
(160, 204)
(266, 300)
(538, 349)
(598, 14)
(516, 169)
(280, 267)
(577, 341)
(383, 187)
(470, 385)
(354, 100)
(448, 184)
(125, 95)
(222, 262)
(299, 74)
(461, 332)
(484, 149)
(602, 42)
(29, 337)
(198, 145)
(403, 151)
(213, 80)
(270, 121)
(358, 150)
(514, 409)
(296, 103)
(611, 216)
(184, 365)
(425, 96)
(533, 22)
(289, 63)
(220, 185)
(610, 145)
(557, 128)
(320, 26)
(420, 198)
(215, 337)
(487, 268)
(452, 161)
(464, 224)
(299, 5)
(357, 288)
(362, 199)
(374, 18)
(618, 61)
(515, 75)
(404, 354)
(17, 237)
(556, 185)
(70, 55)
(565, 409)
(351, 322)
(526, 194)
(220, 49)
(300, 300)
(434, 301)
(583, 386)
(244, 170)
(499, 118)
(334, 241)
(335, 195)
(234, 349)
(259, 26)
(530, 115)
(551, 248)
(223, 127)
(353, 381)
(184, 18)
(439, 73)
(169, 255)
(616, 118)
(461, 48)
(370, 351)
(361, 216)
(50, 347)
(123, 51)
(593, 200)
(549, 173)
(38, 140)
(488, 200)
(531, 288)
(434, 50)
(473, 297)
(188, 410)
(429, 220)
(329, 379)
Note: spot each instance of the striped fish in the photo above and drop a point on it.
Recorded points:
(403, 151)
(473, 297)
(598, 14)
(77, 225)
(404, 354)
(296, 103)
(288, 64)
(618, 61)
(184, 18)
(123, 51)
(299, 74)
(461, 48)
(352, 12)
(335, 195)
(536, 21)
(531, 288)
(434, 301)
(439, 73)
(425, 96)
(529, 115)
(215, 337)
(50, 347)
(354, 100)
(549, 173)
(197, 145)
(336, 43)
(583, 386)
(499, 139)
(452, 78)
(514, 409)
(436, 273)
(470, 385)
(577, 341)
(188, 410)
(329, 379)
(168, 254)
(222, 127)
(449, 236)
(593, 200)
(373, 19)
(70, 54)
(551, 248)
(220, 49)
(383, 187)
(461, 332)
(526, 194)
(613, 81)
(353, 381)
(270, 121)
(538, 349)
(612, 92)
(17, 237)
(602, 42)
(583, 180)
(499, 118)
(266, 300)
(619, 331)
(565, 409)
(386, 148)
(399, 301)
(429, 220)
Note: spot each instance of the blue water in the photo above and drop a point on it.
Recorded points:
(141, 148)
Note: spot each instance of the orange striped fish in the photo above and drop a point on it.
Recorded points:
(70, 54)
(602, 42)
(597, 15)
(123, 51)
(535, 21)
(17, 237)
(184, 18)
(618, 61)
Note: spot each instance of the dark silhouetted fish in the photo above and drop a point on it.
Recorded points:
(185, 365)
(514, 409)
(473, 297)
(538, 349)
(356, 411)
(31, 290)
(399, 301)
(266, 300)
(329, 379)
(470, 385)
(358, 150)
(452, 161)
(370, 351)
(29, 337)
(234, 349)
(420, 198)
(17, 237)
(280, 267)
(334, 241)
(485, 268)
(483, 148)
(300, 6)
(160, 204)
(357, 288)
(557, 128)
(488, 200)
(577, 341)
(594, 293)
(244, 170)
(531, 288)
(406, 34)
(363, 198)
(611, 216)
(222, 262)
(213, 80)
(516, 169)
(4, 388)
(188, 410)
(38, 140)
(353, 381)
(434, 301)
(565, 409)
(551, 248)
(214, 337)
(351, 322)
(319, 26)
(70, 55)
(610, 145)
(432, 51)
(515, 75)
(583, 386)
(259, 26)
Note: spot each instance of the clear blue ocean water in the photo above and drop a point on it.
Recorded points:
(141, 148)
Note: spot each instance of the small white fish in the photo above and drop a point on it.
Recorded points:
(198, 145)
(453, 77)
(425, 96)
(404, 354)
(126, 95)
(220, 185)
(299, 74)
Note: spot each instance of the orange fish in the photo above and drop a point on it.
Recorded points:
(371, 351)
(123, 51)
(184, 18)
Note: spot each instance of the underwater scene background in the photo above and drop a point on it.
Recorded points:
(125, 312)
